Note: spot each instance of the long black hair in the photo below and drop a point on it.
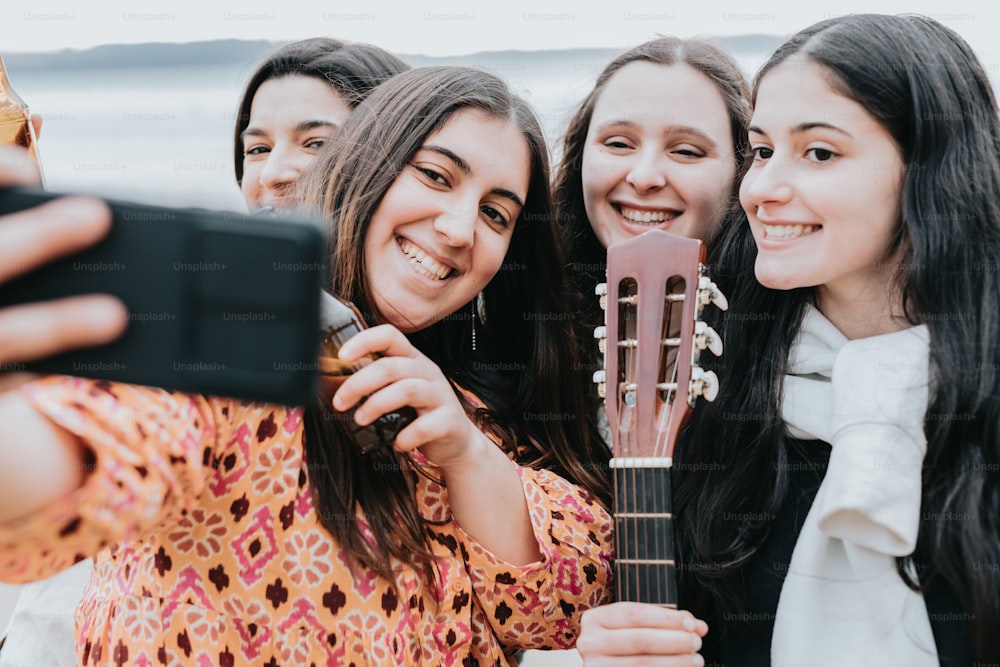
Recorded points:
(524, 370)
(923, 83)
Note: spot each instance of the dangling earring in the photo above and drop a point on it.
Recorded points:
(478, 304)
(473, 305)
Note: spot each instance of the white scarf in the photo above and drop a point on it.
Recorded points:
(843, 602)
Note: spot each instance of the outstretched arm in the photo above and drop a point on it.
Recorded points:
(40, 462)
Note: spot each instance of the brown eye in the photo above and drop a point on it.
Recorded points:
(432, 175)
(821, 154)
(494, 215)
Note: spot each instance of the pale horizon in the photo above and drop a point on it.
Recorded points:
(449, 27)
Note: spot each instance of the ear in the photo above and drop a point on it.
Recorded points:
(36, 122)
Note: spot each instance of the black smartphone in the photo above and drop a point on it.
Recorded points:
(219, 303)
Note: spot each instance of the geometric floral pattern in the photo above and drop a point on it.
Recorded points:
(255, 548)
(208, 550)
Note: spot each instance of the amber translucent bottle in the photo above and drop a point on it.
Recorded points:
(339, 321)
(15, 119)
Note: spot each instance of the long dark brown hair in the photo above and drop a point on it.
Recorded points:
(924, 84)
(352, 70)
(525, 370)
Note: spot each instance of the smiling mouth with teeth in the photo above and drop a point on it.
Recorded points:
(645, 217)
(424, 264)
(788, 232)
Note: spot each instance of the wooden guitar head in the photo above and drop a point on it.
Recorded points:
(654, 296)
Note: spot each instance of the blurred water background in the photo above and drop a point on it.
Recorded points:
(153, 123)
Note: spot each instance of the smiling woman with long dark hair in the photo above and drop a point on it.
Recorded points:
(838, 504)
(229, 532)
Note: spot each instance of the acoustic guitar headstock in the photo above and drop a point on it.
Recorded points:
(652, 340)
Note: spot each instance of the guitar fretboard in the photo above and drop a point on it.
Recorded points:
(644, 542)
(652, 340)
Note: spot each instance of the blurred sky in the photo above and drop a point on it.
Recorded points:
(453, 27)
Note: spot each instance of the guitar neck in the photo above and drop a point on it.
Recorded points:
(651, 341)
(644, 534)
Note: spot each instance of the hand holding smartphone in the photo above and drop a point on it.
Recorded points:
(33, 238)
(219, 303)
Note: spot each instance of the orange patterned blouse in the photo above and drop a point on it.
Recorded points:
(209, 550)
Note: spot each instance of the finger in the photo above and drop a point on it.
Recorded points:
(641, 615)
(37, 330)
(414, 392)
(645, 641)
(384, 340)
(598, 660)
(375, 376)
(17, 167)
(36, 123)
(433, 426)
(35, 236)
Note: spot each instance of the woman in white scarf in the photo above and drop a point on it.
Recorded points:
(867, 347)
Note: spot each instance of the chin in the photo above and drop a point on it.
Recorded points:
(771, 278)
(410, 321)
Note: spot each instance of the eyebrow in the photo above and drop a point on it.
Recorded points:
(805, 127)
(670, 129)
(304, 126)
(464, 167)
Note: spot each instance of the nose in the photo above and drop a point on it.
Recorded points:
(647, 172)
(766, 184)
(281, 169)
(457, 226)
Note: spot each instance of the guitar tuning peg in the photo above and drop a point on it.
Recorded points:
(703, 383)
(601, 334)
(599, 381)
(601, 290)
(708, 291)
(706, 336)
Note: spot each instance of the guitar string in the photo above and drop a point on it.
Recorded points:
(663, 430)
(664, 541)
(660, 540)
(630, 471)
(622, 526)
(655, 585)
